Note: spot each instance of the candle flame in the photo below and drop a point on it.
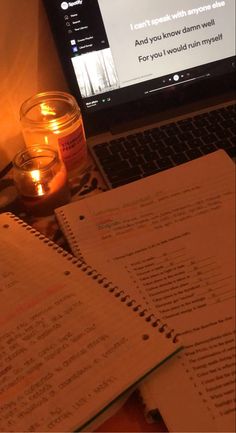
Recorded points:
(46, 110)
(40, 190)
(35, 174)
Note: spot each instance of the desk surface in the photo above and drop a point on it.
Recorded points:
(130, 417)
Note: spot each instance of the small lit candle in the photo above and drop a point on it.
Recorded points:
(41, 180)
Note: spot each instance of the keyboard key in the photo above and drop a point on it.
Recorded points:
(126, 154)
(179, 158)
(219, 131)
(136, 160)
(163, 151)
(186, 125)
(116, 166)
(210, 138)
(186, 137)
(200, 121)
(208, 148)
(193, 153)
(179, 147)
(116, 147)
(149, 168)
(132, 172)
(149, 156)
(225, 144)
(110, 160)
(164, 163)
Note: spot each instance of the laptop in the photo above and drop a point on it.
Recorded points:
(155, 80)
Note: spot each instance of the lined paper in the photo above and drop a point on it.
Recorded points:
(66, 342)
(170, 239)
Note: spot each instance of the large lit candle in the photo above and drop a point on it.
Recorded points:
(41, 180)
(54, 119)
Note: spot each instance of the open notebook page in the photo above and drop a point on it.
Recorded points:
(67, 342)
(170, 239)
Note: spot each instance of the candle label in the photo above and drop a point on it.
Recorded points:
(73, 148)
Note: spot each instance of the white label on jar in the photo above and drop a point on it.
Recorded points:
(73, 148)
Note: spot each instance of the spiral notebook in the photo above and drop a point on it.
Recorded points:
(67, 336)
(170, 238)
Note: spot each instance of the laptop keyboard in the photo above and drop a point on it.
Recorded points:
(135, 156)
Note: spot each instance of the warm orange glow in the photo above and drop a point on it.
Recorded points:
(54, 127)
(35, 174)
(46, 139)
(46, 110)
(40, 190)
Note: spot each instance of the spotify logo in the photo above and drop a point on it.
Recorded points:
(64, 5)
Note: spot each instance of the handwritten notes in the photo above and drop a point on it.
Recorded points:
(170, 239)
(64, 352)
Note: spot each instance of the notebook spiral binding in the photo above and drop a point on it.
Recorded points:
(105, 283)
(71, 237)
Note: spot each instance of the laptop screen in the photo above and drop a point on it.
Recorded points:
(116, 51)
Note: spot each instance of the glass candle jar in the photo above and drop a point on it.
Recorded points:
(41, 180)
(54, 119)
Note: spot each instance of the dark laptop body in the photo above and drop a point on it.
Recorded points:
(138, 65)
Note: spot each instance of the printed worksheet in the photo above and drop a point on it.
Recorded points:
(170, 240)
